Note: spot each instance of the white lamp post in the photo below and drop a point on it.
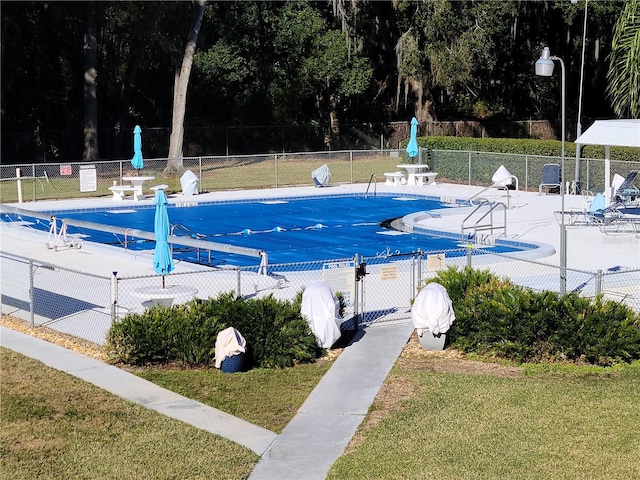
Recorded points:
(544, 67)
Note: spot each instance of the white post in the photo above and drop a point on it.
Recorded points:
(608, 193)
(19, 183)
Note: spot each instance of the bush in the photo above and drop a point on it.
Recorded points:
(495, 317)
(276, 333)
(547, 148)
(182, 333)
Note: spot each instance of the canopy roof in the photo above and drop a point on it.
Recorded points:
(618, 133)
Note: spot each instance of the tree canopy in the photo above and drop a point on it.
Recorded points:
(301, 62)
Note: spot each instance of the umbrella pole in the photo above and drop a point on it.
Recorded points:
(162, 281)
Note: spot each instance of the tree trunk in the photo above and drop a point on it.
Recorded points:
(334, 121)
(181, 84)
(90, 152)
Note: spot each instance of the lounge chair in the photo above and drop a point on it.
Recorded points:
(551, 177)
(627, 193)
(189, 183)
(595, 212)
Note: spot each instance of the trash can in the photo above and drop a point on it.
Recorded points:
(429, 341)
(233, 364)
(230, 350)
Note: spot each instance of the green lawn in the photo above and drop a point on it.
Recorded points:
(435, 417)
(429, 423)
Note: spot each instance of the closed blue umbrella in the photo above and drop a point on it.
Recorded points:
(162, 259)
(137, 161)
(412, 146)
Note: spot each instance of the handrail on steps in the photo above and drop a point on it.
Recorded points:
(497, 185)
(477, 226)
(373, 176)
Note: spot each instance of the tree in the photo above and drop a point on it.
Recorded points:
(181, 85)
(624, 63)
(90, 86)
(333, 74)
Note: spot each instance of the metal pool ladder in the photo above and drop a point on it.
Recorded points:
(484, 221)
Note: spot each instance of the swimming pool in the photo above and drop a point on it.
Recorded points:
(289, 230)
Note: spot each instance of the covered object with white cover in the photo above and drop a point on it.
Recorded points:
(321, 309)
(321, 175)
(229, 342)
(432, 313)
(189, 183)
(501, 177)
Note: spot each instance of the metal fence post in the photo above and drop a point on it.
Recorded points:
(114, 296)
(238, 285)
(598, 286)
(351, 165)
(356, 296)
(469, 255)
(32, 319)
(275, 155)
(412, 276)
(420, 255)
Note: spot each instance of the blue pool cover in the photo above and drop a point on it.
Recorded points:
(290, 230)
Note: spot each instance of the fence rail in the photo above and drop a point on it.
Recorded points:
(378, 290)
(47, 181)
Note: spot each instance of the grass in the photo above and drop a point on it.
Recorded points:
(435, 417)
(232, 173)
(555, 424)
(57, 426)
(265, 397)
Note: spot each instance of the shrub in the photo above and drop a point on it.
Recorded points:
(276, 333)
(182, 333)
(495, 317)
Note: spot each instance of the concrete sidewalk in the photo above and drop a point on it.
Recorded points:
(139, 390)
(309, 444)
(328, 419)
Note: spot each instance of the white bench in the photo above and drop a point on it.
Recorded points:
(425, 178)
(394, 178)
(119, 192)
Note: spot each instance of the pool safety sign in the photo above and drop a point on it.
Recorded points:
(88, 178)
(436, 262)
(341, 277)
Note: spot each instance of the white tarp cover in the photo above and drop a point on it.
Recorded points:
(432, 310)
(229, 342)
(321, 309)
(502, 177)
(189, 183)
(321, 175)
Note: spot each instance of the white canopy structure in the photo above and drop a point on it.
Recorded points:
(617, 133)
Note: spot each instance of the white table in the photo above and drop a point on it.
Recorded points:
(412, 169)
(158, 296)
(136, 185)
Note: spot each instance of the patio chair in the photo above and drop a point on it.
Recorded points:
(627, 193)
(551, 178)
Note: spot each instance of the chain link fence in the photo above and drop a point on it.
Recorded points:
(377, 290)
(46, 181)
(477, 168)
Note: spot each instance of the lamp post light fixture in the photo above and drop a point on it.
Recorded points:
(544, 67)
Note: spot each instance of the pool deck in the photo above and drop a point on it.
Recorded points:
(532, 220)
(326, 422)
